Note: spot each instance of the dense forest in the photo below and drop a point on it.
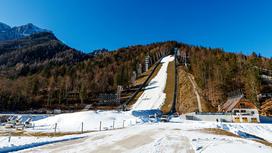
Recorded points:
(56, 82)
(41, 72)
(221, 74)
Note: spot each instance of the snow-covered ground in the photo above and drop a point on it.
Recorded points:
(158, 138)
(90, 120)
(176, 136)
(263, 131)
(70, 122)
(14, 143)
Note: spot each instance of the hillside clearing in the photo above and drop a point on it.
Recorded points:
(187, 100)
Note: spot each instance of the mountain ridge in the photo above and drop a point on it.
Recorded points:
(34, 52)
(12, 33)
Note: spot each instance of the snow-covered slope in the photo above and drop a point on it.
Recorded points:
(153, 97)
(8, 33)
(28, 29)
(72, 122)
(4, 27)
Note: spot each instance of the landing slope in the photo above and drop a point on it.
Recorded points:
(153, 97)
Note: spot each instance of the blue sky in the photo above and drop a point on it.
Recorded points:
(234, 25)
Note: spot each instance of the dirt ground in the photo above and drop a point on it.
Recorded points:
(187, 100)
(170, 88)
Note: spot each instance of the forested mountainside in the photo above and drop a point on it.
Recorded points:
(44, 73)
(220, 74)
(39, 71)
(28, 55)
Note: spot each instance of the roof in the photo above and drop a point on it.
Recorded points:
(231, 103)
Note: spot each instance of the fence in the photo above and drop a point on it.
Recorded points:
(213, 113)
(82, 127)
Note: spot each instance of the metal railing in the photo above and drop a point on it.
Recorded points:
(213, 113)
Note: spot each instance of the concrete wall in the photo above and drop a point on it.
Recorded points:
(194, 116)
(223, 118)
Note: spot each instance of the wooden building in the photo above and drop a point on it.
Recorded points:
(242, 109)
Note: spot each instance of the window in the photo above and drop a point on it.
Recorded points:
(237, 119)
(245, 119)
(242, 105)
(254, 120)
